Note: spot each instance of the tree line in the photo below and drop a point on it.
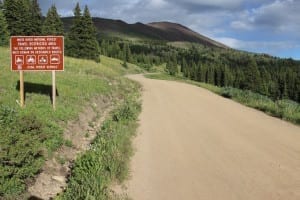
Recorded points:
(270, 76)
(143, 53)
(24, 18)
(274, 77)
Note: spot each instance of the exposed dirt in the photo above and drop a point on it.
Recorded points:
(194, 144)
(80, 133)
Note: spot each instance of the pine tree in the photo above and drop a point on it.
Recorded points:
(184, 67)
(266, 81)
(52, 24)
(127, 53)
(81, 41)
(27, 17)
(104, 46)
(210, 75)
(172, 68)
(35, 18)
(4, 35)
(297, 86)
(73, 38)
(90, 45)
(17, 16)
(252, 76)
(193, 71)
(12, 15)
(291, 83)
(203, 73)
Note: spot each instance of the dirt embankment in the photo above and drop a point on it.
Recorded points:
(193, 144)
(80, 133)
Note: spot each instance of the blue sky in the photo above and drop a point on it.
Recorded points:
(263, 26)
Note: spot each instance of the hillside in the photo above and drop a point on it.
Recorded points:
(30, 137)
(165, 31)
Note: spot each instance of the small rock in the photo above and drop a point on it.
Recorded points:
(60, 179)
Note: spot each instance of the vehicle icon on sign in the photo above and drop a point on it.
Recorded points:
(30, 59)
(19, 60)
(55, 59)
(43, 59)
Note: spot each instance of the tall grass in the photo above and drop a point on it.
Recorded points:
(284, 109)
(108, 158)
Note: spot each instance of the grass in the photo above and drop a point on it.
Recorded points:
(28, 136)
(108, 158)
(164, 76)
(284, 109)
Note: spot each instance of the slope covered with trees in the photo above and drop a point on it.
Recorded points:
(274, 77)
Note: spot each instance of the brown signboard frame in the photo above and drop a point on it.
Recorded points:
(37, 53)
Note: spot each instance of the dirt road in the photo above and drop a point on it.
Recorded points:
(193, 144)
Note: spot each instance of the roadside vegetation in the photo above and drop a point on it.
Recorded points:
(29, 136)
(107, 161)
(284, 109)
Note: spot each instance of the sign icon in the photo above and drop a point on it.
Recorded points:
(19, 60)
(30, 59)
(54, 59)
(43, 59)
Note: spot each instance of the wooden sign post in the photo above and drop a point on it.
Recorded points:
(22, 92)
(53, 90)
(37, 53)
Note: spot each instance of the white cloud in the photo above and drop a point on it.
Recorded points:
(208, 5)
(231, 42)
(270, 47)
(278, 16)
(157, 3)
(241, 25)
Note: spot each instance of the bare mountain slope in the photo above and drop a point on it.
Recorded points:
(178, 32)
(164, 31)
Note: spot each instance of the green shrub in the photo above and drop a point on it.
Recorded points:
(21, 154)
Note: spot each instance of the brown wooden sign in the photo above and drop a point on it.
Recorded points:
(37, 53)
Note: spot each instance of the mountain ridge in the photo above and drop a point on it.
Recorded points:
(161, 31)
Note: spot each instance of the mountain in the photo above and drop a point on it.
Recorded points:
(163, 31)
(178, 32)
